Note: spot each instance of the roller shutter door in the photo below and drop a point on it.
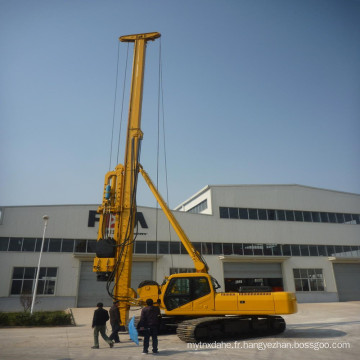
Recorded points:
(141, 270)
(252, 270)
(91, 291)
(347, 278)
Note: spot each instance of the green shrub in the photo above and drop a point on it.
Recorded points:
(22, 319)
(60, 318)
(40, 318)
(4, 319)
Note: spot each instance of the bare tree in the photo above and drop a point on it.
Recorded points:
(26, 300)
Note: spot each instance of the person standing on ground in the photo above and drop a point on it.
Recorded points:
(115, 322)
(101, 316)
(150, 322)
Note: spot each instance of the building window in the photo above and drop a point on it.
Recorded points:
(151, 247)
(140, 247)
(217, 248)
(322, 250)
(228, 249)
(206, 248)
(258, 249)
(29, 244)
(268, 249)
(280, 215)
(262, 214)
(199, 207)
(315, 216)
(356, 218)
(304, 249)
(163, 247)
(4, 243)
(286, 250)
(288, 215)
(298, 216)
(80, 246)
(234, 213)
(277, 250)
(307, 216)
(238, 249)
(313, 250)
(309, 279)
(338, 250)
(243, 213)
(253, 214)
(348, 218)
(183, 250)
(324, 217)
(15, 244)
(45, 246)
(271, 214)
(340, 218)
(174, 247)
(67, 245)
(295, 250)
(224, 212)
(23, 280)
(54, 245)
(248, 249)
(91, 246)
(330, 250)
(181, 270)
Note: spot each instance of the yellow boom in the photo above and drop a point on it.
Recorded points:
(199, 263)
(119, 199)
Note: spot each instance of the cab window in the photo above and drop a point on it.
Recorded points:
(183, 290)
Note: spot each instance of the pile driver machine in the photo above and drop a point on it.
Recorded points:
(191, 302)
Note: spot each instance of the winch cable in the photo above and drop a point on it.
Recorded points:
(122, 102)
(165, 157)
(157, 158)
(114, 105)
(161, 116)
(106, 223)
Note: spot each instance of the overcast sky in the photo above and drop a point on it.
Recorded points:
(255, 92)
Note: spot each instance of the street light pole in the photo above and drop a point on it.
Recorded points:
(46, 218)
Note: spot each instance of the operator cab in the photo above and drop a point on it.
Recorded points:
(184, 288)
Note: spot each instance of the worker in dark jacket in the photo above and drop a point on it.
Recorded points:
(101, 316)
(150, 322)
(114, 322)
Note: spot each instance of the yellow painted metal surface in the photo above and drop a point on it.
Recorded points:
(120, 207)
(104, 264)
(266, 303)
(285, 303)
(199, 264)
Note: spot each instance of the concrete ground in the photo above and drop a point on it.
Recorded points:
(320, 331)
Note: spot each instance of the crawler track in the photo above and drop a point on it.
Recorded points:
(205, 329)
(216, 328)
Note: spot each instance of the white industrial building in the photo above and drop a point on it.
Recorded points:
(287, 237)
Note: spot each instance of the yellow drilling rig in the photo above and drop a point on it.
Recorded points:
(190, 301)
